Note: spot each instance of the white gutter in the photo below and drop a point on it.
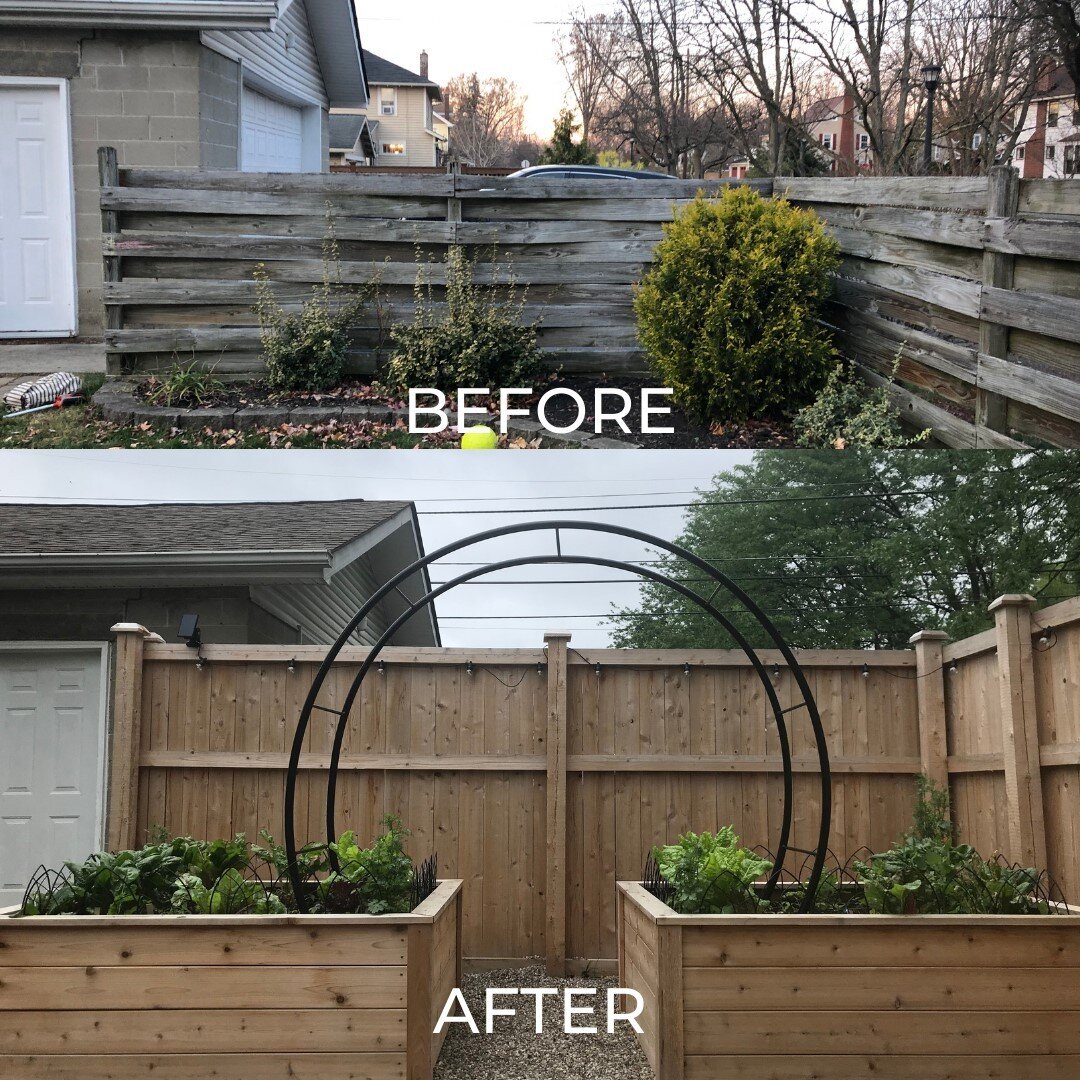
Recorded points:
(138, 14)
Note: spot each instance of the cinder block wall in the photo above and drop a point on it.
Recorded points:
(219, 110)
(163, 100)
(139, 93)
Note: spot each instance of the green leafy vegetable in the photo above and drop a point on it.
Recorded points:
(711, 874)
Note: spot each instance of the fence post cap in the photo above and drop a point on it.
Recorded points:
(136, 628)
(557, 635)
(1013, 600)
(928, 635)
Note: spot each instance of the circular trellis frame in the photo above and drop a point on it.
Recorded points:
(723, 582)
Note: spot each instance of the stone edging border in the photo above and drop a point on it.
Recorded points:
(119, 405)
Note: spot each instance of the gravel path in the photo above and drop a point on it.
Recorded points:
(515, 1052)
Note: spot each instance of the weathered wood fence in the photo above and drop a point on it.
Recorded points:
(540, 782)
(184, 244)
(973, 282)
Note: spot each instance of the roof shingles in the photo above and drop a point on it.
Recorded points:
(34, 528)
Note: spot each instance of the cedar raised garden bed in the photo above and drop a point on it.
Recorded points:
(236, 997)
(831, 997)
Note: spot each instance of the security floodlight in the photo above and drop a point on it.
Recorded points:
(189, 631)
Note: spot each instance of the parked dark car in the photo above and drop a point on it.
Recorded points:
(585, 172)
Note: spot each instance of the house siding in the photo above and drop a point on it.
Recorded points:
(286, 58)
(332, 605)
(407, 127)
(226, 615)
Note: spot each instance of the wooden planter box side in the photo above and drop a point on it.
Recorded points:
(790, 997)
(247, 997)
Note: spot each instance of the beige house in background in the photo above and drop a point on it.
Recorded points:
(404, 123)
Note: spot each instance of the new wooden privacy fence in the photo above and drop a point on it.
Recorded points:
(540, 782)
(973, 282)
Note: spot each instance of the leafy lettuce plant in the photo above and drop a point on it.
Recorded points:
(710, 873)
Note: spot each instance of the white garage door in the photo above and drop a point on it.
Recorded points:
(37, 268)
(51, 746)
(273, 134)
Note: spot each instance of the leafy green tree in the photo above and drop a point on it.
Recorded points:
(562, 150)
(859, 548)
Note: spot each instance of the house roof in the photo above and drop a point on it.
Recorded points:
(202, 14)
(167, 545)
(164, 528)
(345, 129)
(382, 72)
(825, 109)
(1055, 84)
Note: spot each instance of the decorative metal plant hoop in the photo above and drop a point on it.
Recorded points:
(723, 583)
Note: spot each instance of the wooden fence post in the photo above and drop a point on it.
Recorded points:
(930, 688)
(1020, 729)
(122, 799)
(109, 177)
(555, 923)
(997, 272)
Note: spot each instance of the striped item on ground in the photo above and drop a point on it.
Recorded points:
(27, 395)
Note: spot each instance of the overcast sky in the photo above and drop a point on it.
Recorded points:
(490, 37)
(468, 483)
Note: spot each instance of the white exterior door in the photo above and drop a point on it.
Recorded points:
(51, 750)
(37, 256)
(272, 134)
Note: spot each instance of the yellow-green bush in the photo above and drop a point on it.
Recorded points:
(728, 311)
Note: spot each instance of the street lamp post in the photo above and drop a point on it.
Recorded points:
(931, 73)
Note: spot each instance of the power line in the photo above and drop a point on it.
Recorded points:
(676, 506)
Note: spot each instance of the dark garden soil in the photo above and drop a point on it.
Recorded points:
(561, 411)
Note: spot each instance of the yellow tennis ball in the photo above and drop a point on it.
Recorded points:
(479, 438)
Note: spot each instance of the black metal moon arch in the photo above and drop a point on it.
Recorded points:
(723, 582)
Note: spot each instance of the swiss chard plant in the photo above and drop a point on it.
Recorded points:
(927, 873)
(381, 875)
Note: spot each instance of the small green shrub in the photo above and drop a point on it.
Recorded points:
(184, 385)
(710, 874)
(728, 311)
(849, 413)
(307, 350)
(482, 339)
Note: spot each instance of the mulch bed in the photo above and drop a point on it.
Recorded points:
(515, 1052)
(688, 434)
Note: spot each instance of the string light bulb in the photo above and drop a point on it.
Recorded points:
(469, 669)
(952, 668)
(382, 667)
(291, 665)
(686, 669)
(866, 671)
